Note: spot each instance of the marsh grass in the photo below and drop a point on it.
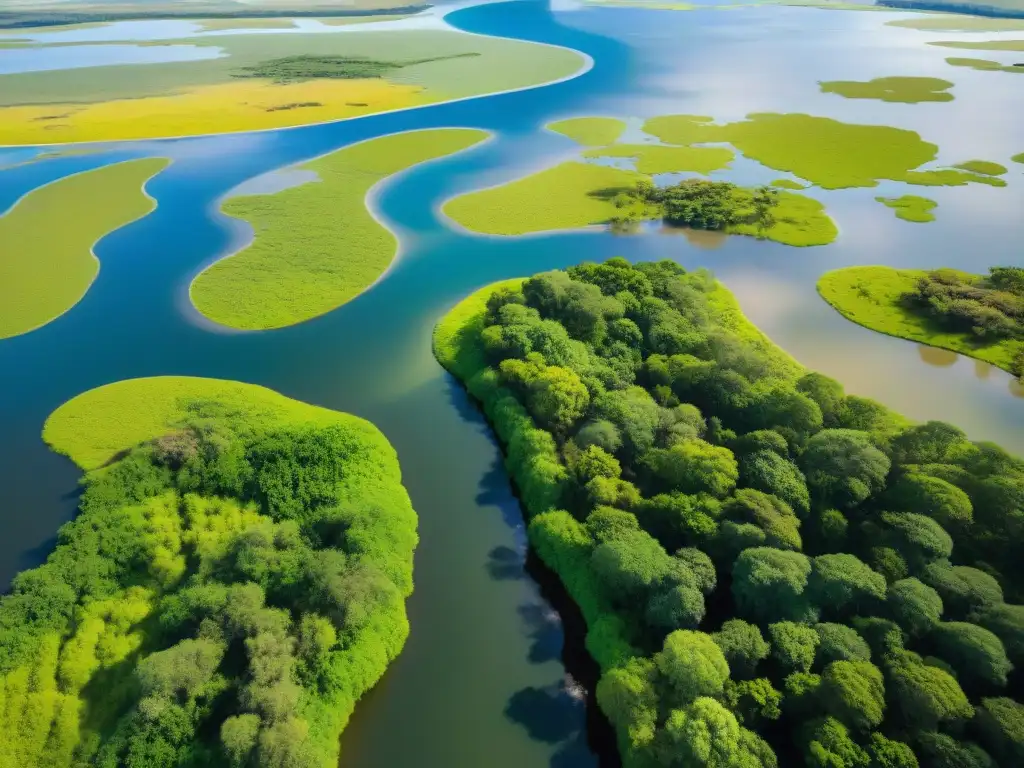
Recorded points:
(787, 184)
(590, 131)
(982, 45)
(870, 296)
(983, 65)
(654, 158)
(985, 167)
(907, 90)
(47, 239)
(316, 246)
(910, 207)
(292, 69)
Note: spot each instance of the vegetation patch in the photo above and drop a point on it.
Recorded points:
(955, 22)
(910, 207)
(985, 167)
(831, 154)
(231, 586)
(295, 69)
(655, 158)
(986, 45)
(566, 196)
(771, 571)
(46, 268)
(984, 65)
(908, 90)
(590, 131)
(1018, 158)
(979, 317)
(282, 279)
(788, 184)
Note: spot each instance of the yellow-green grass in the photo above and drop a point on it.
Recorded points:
(907, 90)
(983, 65)
(832, 154)
(869, 296)
(204, 97)
(47, 239)
(1018, 158)
(958, 23)
(457, 335)
(799, 221)
(910, 207)
(567, 196)
(787, 184)
(316, 246)
(985, 167)
(590, 131)
(983, 45)
(656, 158)
(96, 426)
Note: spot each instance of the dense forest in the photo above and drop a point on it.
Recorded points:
(222, 599)
(700, 204)
(773, 572)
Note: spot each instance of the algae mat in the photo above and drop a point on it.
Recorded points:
(48, 236)
(316, 246)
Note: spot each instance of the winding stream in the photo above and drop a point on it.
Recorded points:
(481, 681)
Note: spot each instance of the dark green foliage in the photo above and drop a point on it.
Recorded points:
(991, 308)
(294, 69)
(784, 500)
(1000, 723)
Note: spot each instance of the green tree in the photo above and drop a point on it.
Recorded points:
(841, 582)
(692, 666)
(743, 647)
(918, 539)
(626, 694)
(765, 200)
(964, 590)
(827, 393)
(694, 466)
(949, 506)
(601, 433)
(977, 655)
(1007, 623)
(1000, 723)
(925, 695)
(769, 472)
(843, 468)
(838, 642)
(887, 753)
(793, 645)
(596, 462)
(943, 751)
(914, 606)
(238, 737)
(769, 513)
(854, 692)
(753, 701)
(679, 607)
(830, 746)
(770, 583)
(707, 734)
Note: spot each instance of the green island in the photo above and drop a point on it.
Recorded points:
(787, 184)
(830, 153)
(772, 572)
(911, 207)
(986, 167)
(1018, 158)
(955, 22)
(907, 90)
(47, 269)
(985, 45)
(983, 65)
(234, 581)
(978, 316)
(658, 158)
(282, 279)
(589, 131)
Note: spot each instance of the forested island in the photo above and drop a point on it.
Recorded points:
(772, 572)
(978, 315)
(227, 592)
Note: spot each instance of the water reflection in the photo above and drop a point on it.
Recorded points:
(935, 356)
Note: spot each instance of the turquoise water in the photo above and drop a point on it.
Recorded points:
(482, 680)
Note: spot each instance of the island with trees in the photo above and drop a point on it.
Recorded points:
(234, 581)
(772, 572)
(981, 316)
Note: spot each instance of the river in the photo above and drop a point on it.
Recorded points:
(481, 681)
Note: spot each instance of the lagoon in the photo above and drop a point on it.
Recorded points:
(482, 680)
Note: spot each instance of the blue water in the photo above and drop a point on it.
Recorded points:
(481, 681)
(78, 56)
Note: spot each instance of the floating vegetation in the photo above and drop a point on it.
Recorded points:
(907, 90)
(590, 131)
(910, 207)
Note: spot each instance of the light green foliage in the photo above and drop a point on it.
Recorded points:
(92, 205)
(976, 654)
(949, 506)
(911, 207)
(753, 701)
(788, 184)
(919, 539)
(843, 582)
(843, 467)
(986, 167)
(982, 65)
(589, 131)
(555, 396)
(770, 583)
(627, 696)
(830, 746)
(1007, 623)
(705, 733)
(279, 280)
(694, 466)
(887, 753)
(871, 296)
(915, 606)
(692, 665)
(925, 695)
(854, 693)
(743, 646)
(908, 90)
(566, 196)
(793, 645)
(157, 603)
(769, 472)
(838, 642)
(778, 525)
(1001, 722)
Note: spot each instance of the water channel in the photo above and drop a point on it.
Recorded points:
(481, 681)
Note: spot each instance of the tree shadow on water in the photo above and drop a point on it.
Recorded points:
(548, 714)
(544, 628)
(505, 564)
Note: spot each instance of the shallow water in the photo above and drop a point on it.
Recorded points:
(77, 56)
(481, 681)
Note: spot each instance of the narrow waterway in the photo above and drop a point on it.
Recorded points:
(482, 681)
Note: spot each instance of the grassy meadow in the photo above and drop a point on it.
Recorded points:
(215, 95)
(47, 269)
(910, 207)
(869, 296)
(316, 246)
(96, 426)
(906, 90)
(567, 196)
(590, 131)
